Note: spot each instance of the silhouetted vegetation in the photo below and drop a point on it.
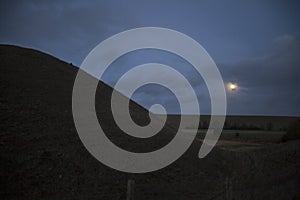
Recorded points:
(293, 132)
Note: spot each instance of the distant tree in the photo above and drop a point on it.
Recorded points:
(234, 126)
(254, 127)
(269, 126)
(293, 132)
(205, 125)
(244, 126)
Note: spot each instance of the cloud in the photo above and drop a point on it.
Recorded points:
(270, 83)
(284, 40)
(153, 94)
(64, 29)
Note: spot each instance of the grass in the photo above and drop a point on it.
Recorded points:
(246, 135)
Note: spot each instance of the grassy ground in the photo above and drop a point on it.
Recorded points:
(245, 135)
(249, 135)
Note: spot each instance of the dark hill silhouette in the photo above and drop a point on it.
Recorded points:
(42, 156)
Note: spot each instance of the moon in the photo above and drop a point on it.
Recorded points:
(232, 87)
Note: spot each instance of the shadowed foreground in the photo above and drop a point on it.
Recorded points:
(42, 156)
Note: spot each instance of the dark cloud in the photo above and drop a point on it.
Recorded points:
(269, 85)
(66, 29)
(237, 33)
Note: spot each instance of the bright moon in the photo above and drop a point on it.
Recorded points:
(232, 86)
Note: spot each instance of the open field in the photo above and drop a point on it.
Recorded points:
(256, 123)
(246, 135)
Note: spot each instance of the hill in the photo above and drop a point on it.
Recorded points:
(42, 156)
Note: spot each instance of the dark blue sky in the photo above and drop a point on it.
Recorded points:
(254, 43)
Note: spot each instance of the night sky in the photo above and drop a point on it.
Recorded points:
(255, 44)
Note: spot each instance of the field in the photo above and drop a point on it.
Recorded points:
(246, 135)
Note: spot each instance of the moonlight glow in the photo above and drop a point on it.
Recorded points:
(232, 86)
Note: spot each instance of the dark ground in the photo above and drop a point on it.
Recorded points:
(42, 156)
